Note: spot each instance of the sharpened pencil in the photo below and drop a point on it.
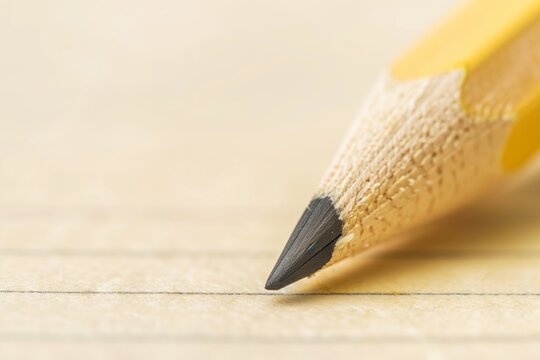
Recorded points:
(450, 118)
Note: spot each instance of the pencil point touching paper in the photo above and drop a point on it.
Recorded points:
(441, 128)
(156, 158)
(310, 245)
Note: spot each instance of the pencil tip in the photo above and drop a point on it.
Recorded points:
(310, 246)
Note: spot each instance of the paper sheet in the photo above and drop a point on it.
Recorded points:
(156, 157)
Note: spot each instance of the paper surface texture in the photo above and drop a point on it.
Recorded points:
(155, 157)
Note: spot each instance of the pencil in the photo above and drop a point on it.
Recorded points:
(447, 121)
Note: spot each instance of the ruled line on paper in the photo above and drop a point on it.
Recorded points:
(261, 340)
(242, 253)
(148, 214)
(274, 294)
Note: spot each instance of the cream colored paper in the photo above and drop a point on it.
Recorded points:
(156, 155)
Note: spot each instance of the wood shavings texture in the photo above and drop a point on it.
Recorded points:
(412, 155)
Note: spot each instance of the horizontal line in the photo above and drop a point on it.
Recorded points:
(243, 253)
(246, 253)
(263, 340)
(97, 214)
(217, 293)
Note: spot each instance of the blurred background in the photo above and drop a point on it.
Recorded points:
(167, 103)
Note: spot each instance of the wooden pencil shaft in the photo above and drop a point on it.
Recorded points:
(435, 133)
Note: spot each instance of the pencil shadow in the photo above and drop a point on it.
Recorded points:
(496, 226)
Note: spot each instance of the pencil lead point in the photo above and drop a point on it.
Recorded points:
(310, 246)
